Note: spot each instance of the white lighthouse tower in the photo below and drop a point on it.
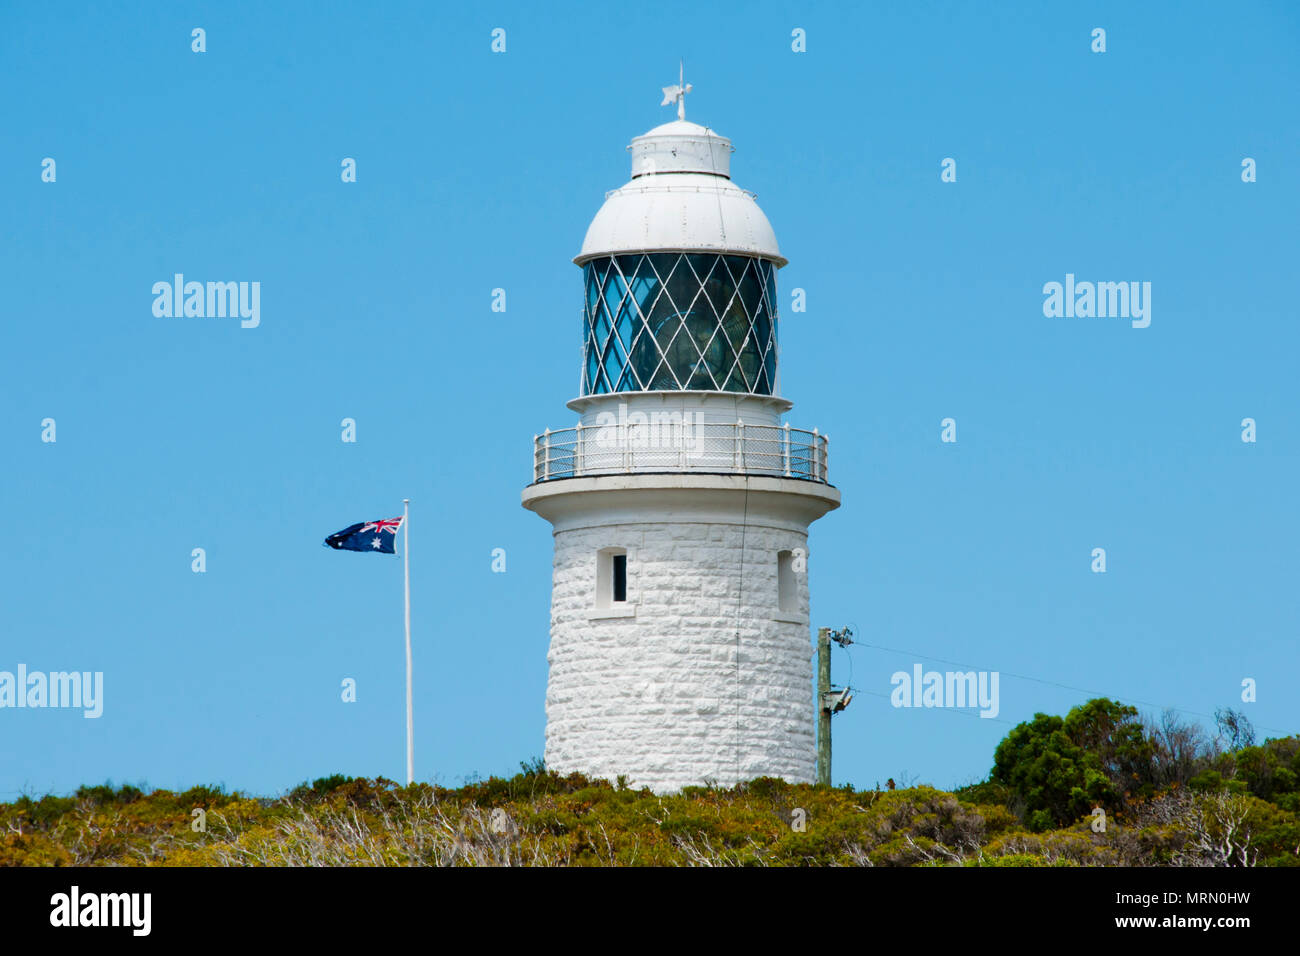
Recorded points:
(680, 643)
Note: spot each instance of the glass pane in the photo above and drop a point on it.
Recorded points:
(668, 321)
(592, 276)
(719, 287)
(626, 319)
(675, 344)
(661, 324)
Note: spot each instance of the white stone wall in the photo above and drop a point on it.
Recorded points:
(708, 679)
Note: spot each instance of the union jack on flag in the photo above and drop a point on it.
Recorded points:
(379, 536)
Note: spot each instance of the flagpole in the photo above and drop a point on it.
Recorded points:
(406, 561)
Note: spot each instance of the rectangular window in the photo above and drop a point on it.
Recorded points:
(611, 577)
(620, 577)
(787, 585)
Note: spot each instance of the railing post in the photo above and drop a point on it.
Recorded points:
(546, 456)
(826, 459)
(740, 446)
(535, 478)
(624, 445)
(785, 451)
(577, 452)
(816, 454)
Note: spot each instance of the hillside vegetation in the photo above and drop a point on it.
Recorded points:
(1170, 797)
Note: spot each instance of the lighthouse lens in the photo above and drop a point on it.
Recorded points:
(674, 321)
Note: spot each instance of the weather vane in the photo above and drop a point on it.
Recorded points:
(678, 93)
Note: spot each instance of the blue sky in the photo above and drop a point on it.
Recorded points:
(478, 170)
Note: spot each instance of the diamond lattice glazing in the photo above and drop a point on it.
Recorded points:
(669, 321)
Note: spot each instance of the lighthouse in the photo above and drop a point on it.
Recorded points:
(680, 499)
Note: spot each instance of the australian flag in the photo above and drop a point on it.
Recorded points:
(379, 536)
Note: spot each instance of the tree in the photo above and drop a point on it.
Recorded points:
(1111, 733)
(1180, 750)
(1234, 728)
(1271, 771)
(1059, 769)
(1049, 775)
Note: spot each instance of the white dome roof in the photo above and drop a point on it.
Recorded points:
(681, 126)
(680, 198)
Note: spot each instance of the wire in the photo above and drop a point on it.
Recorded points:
(845, 649)
(965, 712)
(1051, 683)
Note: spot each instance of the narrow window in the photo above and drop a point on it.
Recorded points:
(611, 577)
(787, 586)
(620, 577)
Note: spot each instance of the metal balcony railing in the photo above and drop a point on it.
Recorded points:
(713, 447)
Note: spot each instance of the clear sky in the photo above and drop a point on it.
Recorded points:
(479, 170)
